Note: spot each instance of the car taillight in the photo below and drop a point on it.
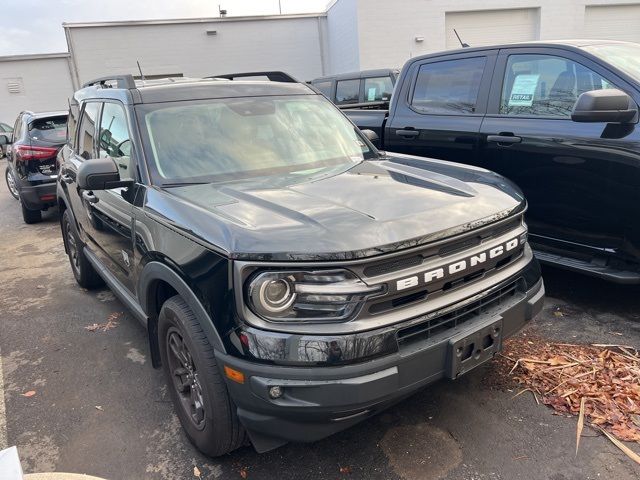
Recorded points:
(35, 153)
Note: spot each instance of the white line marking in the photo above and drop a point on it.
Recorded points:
(3, 412)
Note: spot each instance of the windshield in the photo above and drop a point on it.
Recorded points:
(235, 138)
(53, 129)
(624, 56)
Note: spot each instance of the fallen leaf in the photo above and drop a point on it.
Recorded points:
(345, 470)
(30, 393)
(99, 407)
(580, 424)
(196, 472)
(616, 333)
(243, 472)
(108, 325)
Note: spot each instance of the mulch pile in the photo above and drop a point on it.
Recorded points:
(605, 379)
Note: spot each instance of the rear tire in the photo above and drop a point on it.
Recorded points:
(11, 183)
(199, 393)
(83, 271)
(30, 216)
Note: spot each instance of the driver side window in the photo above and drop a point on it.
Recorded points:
(114, 139)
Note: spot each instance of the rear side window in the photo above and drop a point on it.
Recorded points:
(87, 130)
(325, 88)
(52, 129)
(347, 91)
(449, 87)
(377, 89)
(545, 85)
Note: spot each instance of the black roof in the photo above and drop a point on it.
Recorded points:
(380, 72)
(180, 89)
(569, 44)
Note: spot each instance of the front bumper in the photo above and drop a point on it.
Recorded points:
(322, 400)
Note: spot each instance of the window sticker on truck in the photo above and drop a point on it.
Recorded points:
(524, 87)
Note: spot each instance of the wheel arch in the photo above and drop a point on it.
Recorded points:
(157, 283)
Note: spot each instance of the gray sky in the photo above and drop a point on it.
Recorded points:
(35, 26)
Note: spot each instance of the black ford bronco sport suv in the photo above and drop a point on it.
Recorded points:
(293, 280)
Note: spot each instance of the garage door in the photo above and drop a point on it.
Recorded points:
(488, 27)
(613, 22)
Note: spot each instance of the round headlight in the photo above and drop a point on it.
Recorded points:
(274, 294)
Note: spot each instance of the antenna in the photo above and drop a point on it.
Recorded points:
(462, 44)
(222, 12)
(140, 70)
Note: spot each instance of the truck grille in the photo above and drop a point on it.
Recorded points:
(414, 268)
(453, 318)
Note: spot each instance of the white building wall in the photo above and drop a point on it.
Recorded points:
(288, 43)
(387, 29)
(342, 30)
(33, 82)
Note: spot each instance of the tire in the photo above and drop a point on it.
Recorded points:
(83, 271)
(11, 183)
(214, 428)
(30, 216)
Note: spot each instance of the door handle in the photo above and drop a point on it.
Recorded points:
(407, 133)
(89, 196)
(507, 139)
(66, 178)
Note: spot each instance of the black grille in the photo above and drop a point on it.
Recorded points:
(392, 265)
(452, 319)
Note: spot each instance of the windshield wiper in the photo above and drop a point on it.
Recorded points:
(182, 184)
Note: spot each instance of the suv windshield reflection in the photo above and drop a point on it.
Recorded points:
(249, 137)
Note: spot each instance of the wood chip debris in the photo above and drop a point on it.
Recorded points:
(108, 325)
(600, 383)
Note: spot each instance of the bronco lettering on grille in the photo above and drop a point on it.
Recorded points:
(440, 273)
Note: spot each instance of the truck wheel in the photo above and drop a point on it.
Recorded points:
(198, 391)
(11, 183)
(83, 271)
(30, 216)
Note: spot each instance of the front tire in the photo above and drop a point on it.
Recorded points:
(198, 391)
(11, 183)
(83, 271)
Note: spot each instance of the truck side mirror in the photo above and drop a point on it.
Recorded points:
(99, 174)
(609, 105)
(371, 136)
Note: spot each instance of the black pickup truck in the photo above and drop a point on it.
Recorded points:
(559, 119)
(292, 280)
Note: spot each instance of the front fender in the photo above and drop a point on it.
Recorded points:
(155, 271)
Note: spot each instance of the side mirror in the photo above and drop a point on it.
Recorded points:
(609, 105)
(371, 135)
(4, 140)
(99, 174)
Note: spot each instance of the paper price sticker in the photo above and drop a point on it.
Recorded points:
(523, 90)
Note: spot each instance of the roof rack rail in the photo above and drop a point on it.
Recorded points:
(273, 76)
(122, 81)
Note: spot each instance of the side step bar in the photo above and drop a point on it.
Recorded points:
(606, 273)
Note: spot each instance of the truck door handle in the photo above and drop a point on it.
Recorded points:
(89, 196)
(66, 178)
(506, 139)
(407, 133)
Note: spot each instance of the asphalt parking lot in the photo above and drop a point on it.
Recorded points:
(100, 409)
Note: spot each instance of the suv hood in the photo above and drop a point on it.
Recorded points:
(396, 202)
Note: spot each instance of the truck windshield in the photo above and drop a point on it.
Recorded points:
(624, 56)
(233, 138)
